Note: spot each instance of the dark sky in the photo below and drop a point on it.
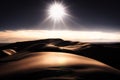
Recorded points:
(89, 14)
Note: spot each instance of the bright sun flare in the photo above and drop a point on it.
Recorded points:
(57, 11)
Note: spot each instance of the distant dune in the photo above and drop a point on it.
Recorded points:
(49, 59)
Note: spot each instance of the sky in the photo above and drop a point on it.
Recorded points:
(86, 15)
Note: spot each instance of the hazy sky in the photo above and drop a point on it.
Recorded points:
(88, 14)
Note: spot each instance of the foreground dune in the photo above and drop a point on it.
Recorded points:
(55, 65)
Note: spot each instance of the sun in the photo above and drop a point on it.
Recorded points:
(57, 11)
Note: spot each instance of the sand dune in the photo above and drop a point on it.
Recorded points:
(58, 59)
(81, 67)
